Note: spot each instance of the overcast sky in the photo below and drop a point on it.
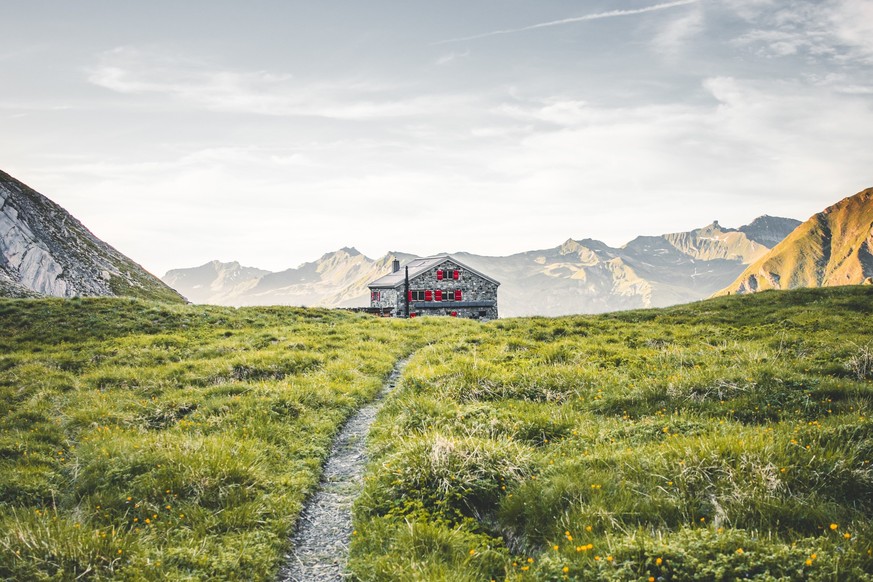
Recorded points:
(271, 132)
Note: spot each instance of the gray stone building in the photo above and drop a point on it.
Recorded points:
(439, 285)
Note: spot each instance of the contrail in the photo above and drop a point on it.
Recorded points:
(598, 16)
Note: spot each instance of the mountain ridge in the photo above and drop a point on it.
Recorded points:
(833, 247)
(578, 276)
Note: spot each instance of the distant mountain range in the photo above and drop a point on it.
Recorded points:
(337, 279)
(578, 276)
(834, 247)
(44, 251)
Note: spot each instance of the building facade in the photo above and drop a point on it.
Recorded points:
(439, 285)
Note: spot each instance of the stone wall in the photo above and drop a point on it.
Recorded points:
(478, 295)
(387, 298)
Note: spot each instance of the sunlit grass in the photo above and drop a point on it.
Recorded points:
(720, 440)
(149, 441)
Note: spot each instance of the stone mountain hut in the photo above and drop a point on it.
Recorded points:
(440, 285)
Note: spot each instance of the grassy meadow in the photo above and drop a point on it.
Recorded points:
(724, 439)
(149, 441)
(721, 440)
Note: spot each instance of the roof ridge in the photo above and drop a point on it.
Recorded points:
(420, 264)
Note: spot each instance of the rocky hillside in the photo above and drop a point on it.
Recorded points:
(579, 276)
(769, 230)
(834, 247)
(45, 251)
(10, 288)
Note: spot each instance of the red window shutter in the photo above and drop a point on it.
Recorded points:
(456, 274)
(439, 275)
(409, 296)
(457, 294)
(439, 295)
(428, 295)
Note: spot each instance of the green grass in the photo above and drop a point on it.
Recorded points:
(151, 441)
(725, 439)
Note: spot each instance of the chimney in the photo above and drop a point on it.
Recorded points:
(395, 266)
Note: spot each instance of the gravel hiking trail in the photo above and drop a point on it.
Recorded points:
(320, 543)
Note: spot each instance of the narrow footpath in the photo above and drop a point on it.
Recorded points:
(320, 544)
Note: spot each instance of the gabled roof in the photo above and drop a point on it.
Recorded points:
(419, 266)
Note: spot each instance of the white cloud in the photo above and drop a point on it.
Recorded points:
(132, 71)
(539, 168)
(677, 34)
(450, 57)
(755, 139)
(388, 158)
(775, 42)
(750, 9)
(502, 132)
(857, 89)
(841, 30)
(852, 22)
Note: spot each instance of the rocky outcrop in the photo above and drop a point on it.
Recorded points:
(45, 251)
(25, 259)
(714, 242)
(10, 288)
(769, 230)
(834, 247)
